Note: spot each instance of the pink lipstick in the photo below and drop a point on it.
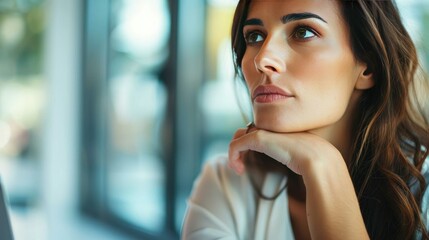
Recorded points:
(269, 93)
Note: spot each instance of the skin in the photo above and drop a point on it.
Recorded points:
(309, 130)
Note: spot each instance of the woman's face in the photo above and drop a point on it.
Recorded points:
(298, 64)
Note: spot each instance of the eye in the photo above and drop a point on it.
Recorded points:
(303, 33)
(253, 37)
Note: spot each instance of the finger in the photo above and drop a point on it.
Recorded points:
(238, 165)
(240, 132)
(250, 141)
(235, 165)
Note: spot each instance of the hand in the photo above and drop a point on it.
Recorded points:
(332, 207)
(298, 151)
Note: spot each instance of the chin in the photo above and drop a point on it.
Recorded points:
(283, 122)
(273, 125)
(270, 119)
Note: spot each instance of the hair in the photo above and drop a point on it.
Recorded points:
(392, 133)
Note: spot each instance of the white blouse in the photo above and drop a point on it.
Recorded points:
(224, 205)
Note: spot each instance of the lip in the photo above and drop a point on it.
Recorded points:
(269, 93)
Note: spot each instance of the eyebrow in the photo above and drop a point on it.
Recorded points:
(286, 18)
(299, 16)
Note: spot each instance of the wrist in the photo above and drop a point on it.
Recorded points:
(326, 166)
(332, 204)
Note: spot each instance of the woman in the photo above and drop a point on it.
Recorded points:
(338, 145)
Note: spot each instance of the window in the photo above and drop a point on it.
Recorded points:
(137, 100)
(129, 109)
(146, 88)
(22, 100)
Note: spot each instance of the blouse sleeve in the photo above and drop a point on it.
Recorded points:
(209, 214)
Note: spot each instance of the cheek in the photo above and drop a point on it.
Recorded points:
(248, 68)
(324, 82)
(326, 70)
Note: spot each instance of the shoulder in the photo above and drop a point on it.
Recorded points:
(216, 176)
(220, 204)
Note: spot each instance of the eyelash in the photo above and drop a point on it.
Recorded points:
(249, 33)
(307, 28)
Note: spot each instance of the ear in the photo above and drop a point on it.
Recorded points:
(365, 79)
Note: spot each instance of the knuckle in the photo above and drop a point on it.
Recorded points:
(231, 146)
(240, 132)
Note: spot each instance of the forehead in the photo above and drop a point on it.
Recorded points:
(328, 9)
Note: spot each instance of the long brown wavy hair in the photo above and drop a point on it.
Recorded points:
(392, 133)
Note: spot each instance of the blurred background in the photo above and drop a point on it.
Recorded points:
(108, 110)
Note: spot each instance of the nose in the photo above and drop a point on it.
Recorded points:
(271, 57)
